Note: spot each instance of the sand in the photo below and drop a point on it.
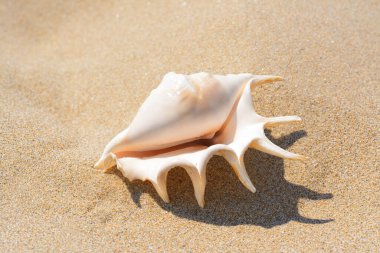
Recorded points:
(73, 74)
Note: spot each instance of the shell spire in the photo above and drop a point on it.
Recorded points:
(185, 121)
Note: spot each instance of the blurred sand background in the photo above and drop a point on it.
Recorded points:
(73, 74)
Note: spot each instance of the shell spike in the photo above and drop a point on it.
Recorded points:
(106, 163)
(257, 80)
(239, 168)
(198, 178)
(269, 122)
(265, 145)
(160, 186)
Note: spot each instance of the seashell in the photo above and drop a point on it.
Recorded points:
(185, 121)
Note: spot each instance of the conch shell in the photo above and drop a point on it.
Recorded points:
(185, 121)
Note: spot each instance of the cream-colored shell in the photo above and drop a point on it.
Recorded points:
(185, 121)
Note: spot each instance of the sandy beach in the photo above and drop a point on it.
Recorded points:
(73, 74)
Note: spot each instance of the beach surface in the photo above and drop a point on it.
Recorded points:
(74, 73)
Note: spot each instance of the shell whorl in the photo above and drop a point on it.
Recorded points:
(243, 129)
